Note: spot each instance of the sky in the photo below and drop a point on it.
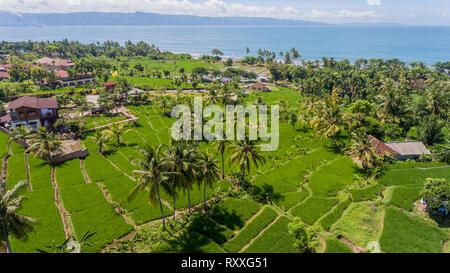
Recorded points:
(411, 12)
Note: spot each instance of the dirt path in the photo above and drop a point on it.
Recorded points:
(117, 208)
(431, 168)
(65, 215)
(352, 245)
(4, 174)
(444, 247)
(83, 171)
(382, 224)
(323, 243)
(259, 234)
(27, 169)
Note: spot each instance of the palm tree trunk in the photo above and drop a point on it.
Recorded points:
(160, 207)
(223, 168)
(174, 210)
(204, 194)
(8, 246)
(189, 198)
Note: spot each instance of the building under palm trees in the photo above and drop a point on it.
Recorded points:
(401, 150)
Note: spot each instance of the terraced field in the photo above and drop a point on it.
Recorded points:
(319, 186)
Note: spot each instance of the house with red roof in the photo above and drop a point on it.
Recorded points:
(63, 77)
(401, 150)
(260, 86)
(4, 71)
(55, 63)
(31, 112)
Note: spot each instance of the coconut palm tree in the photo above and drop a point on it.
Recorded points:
(45, 143)
(362, 152)
(151, 175)
(328, 117)
(244, 154)
(20, 133)
(101, 138)
(117, 130)
(182, 160)
(174, 162)
(11, 222)
(209, 171)
(221, 145)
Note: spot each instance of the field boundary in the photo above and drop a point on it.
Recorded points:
(69, 229)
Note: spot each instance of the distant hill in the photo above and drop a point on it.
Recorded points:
(134, 19)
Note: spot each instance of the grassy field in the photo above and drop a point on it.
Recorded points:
(404, 234)
(153, 83)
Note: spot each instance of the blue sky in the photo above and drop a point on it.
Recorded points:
(415, 12)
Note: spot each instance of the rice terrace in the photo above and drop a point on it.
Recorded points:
(322, 156)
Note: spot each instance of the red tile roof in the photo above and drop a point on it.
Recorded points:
(5, 118)
(259, 85)
(380, 148)
(62, 74)
(4, 75)
(33, 102)
(55, 62)
(110, 83)
(5, 66)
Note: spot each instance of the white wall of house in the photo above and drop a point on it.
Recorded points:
(31, 124)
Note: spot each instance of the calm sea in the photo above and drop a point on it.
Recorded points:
(426, 44)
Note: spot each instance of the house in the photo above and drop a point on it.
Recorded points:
(401, 150)
(4, 71)
(110, 85)
(31, 112)
(4, 75)
(260, 87)
(64, 79)
(55, 64)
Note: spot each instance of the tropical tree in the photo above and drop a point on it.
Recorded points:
(70, 245)
(117, 130)
(182, 160)
(362, 153)
(11, 222)
(328, 118)
(436, 193)
(21, 133)
(45, 143)
(151, 175)
(209, 171)
(306, 238)
(244, 154)
(101, 138)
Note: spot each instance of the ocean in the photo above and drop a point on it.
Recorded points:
(407, 43)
